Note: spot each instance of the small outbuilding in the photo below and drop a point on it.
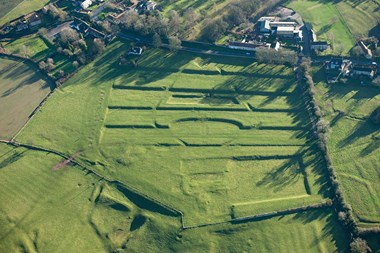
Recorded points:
(85, 4)
(135, 51)
(319, 45)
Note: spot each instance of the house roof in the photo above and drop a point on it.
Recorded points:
(283, 23)
(285, 29)
(242, 44)
(364, 48)
(267, 18)
(265, 25)
(34, 18)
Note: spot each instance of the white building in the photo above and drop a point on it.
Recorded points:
(85, 4)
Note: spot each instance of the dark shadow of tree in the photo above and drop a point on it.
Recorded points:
(331, 228)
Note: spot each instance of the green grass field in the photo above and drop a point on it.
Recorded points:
(327, 23)
(12, 9)
(21, 90)
(126, 133)
(6, 6)
(50, 208)
(212, 137)
(354, 143)
(362, 17)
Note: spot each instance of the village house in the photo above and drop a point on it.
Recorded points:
(34, 20)
(284, 29)
(22, 25)
(244, 45)
(319, 45)
(253, 46)
(364, 70)
(145, 5)
(265, 27)
(335, 64)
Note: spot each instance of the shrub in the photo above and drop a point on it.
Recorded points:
(75, 64)
(358, 246)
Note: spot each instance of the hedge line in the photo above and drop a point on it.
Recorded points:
(321, 129)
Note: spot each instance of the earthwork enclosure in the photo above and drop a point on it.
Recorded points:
(214, 140)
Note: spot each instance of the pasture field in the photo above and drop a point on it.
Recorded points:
(14, 9)
(354, 143)
(219, 151)
(22, 88)
(327, 23)
(6, 6)
(46, 207)
(362, 17)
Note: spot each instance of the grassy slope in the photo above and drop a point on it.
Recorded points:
(19, 8)
(353, 148)
(320, 15)
(21, 89)
(68, 210)
(272, 235)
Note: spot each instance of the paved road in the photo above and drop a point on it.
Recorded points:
(307, 38)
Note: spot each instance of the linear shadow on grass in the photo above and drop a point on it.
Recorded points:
(339, 90)
(314, 162)
(376, 30)
(145, 203)
(29, 75)
(287, 174)
(11, 159)
(361, 130)
(370, 148)
(152, 66)
(331, 228)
